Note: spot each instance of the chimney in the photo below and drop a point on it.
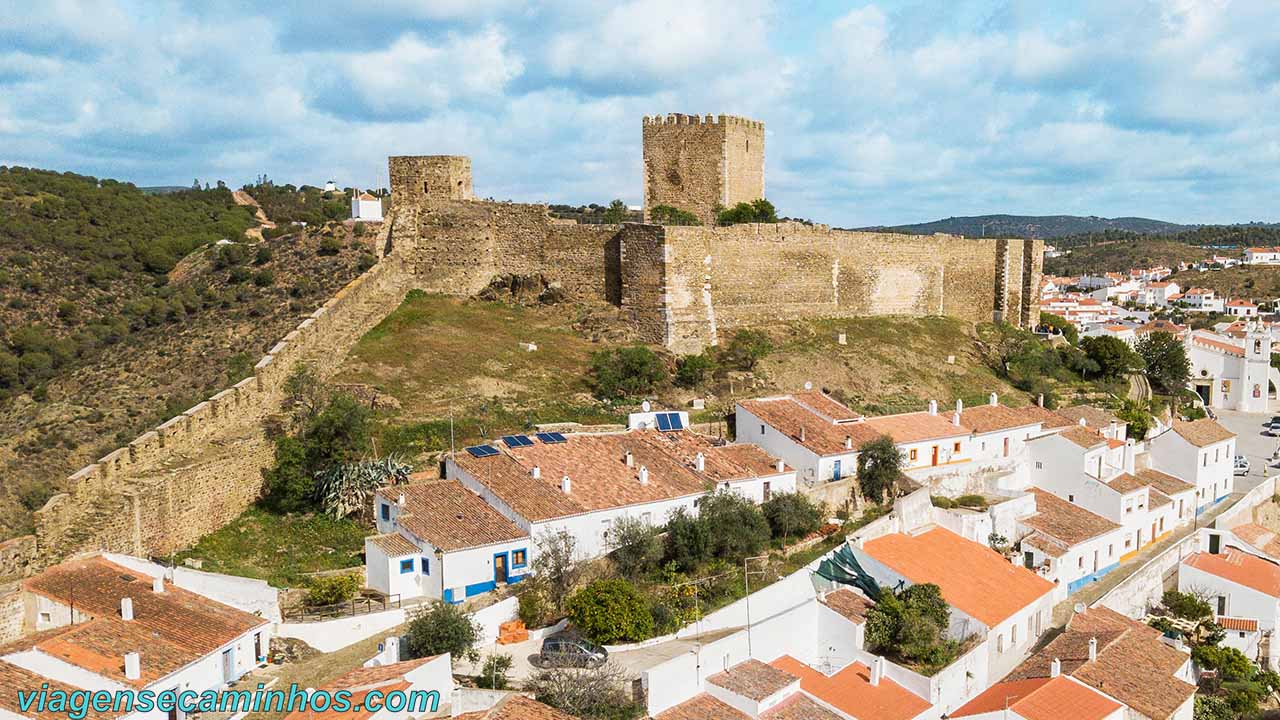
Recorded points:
(1040, 399)
(629, 459)
(933, 407)
(126, 608)
(1055, 668)
(132, 666)
(781, 467)
(848, 442)
(1093, 649)
(877, 670)
(700, 462)
(1082, 423)
(644, 476)
(536, 472)
(801, 433)
(994, 399)
(157, 585)
(391, 650)
(400, 501)
(959, 405)
(955, 418)
(565, 485)
(1113, 429)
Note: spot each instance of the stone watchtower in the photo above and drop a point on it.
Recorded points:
(695, 163)
(421, 178)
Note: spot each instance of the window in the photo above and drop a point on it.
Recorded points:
(424, 187)
(957, 446)
(386, 511)
(762, 430)
(1128, 543)
(46, 617)
(406, 566)
(768, 490)
(1080, 562)
(426, 565)
(1039, 465)
(1215, 454)
(1071, 498)
(647, 518)
(1013, 635)
(912, 455)
(1204, 460)
(1111, 550)
(519, 558)
(1000, 643)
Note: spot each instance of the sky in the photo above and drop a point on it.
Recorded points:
(876, 112)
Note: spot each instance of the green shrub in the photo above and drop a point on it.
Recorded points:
(879, 466)
(736, 526)
(534, 609)
(263, 256)
(442, 628)
(668, 215)
(746, 349)
(365, 261)
(1185, 605)
(627, 372)
(238, 274)
(791, 515)
(942, 501)
(692, 370)
(333, 589)
(329, 246)
(757, 211)
(493, 674)
(608, 611)
(971, 501)
(688, 543)
(68, 311)
(264, 278)
(636, 546)
(358, 229)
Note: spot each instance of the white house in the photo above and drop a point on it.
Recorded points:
(331, 186)
(365, 207)
(1101, 421)
(440, 540)
(1238, 585)
(1200, 452)
(999, 432)
(104, 626)
(1233, 373)
(1158, 292)
(1262, 256)
(1202, 300)
(811, 431)
(1120, 658)
(1241, 308)
(1041, 699)
(1067, 544)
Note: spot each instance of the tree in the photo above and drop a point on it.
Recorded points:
(615, 213)
(736, 527)
(636, 546)
(1062, 325)
(1114, 356)
(667, 215)
(1165, 357)
(1137, 413)
(493, 674)
(333, 589)
(608, 611)
(1186, 605)
(792, 514)
(746, 349)
(592, 694)
(692, 370)
(879, 465)
(554, 566)
(756, 211)
(626, 372)
(442, 628)
(688, 542)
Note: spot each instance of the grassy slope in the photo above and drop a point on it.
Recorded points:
(1259, 283)
(1120, 256)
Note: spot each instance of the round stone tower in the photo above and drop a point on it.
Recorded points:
(420, 178)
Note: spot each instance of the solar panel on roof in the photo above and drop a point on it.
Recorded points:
(664, 421)
(482, 451)
(551, 438)
(515, 441)
(676, 422)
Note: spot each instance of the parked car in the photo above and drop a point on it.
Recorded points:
(1274, 423)
(1242, 465)
(565, 650)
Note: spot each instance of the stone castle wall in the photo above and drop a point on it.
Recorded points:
(12, 612)
(430, 177)
(709, 280)
(198, 471)
(694, 163)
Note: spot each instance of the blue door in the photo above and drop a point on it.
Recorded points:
(835, 470)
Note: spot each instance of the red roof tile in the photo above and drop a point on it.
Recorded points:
(449, 516)
(753, 680)
(917, 426)
(822, 436)
(1238, 624)
(849, 604)
(850, 691)
(1240, 568)
(1064, 521)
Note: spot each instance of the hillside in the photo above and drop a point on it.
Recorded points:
(1121, 255)
(117, 311)
(1036, 226)
(1251, 283)
(494, 386)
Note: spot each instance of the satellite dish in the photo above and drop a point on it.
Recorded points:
(808, 386)
(645, 406)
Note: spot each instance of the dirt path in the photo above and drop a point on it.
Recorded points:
(244, 198)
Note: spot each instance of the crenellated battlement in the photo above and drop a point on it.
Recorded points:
(682, 119)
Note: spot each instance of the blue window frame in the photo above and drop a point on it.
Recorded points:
(406, 566)
(386, 511)
(519, 558)
(426, 565)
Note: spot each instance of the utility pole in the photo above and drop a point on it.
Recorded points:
(746, 581)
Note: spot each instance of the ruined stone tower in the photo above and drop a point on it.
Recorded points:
(430, 177)
(695, 163)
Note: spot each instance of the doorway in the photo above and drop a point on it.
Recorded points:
(935, 455)
(500, 568)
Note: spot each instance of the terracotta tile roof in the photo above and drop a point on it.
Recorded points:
(1048, 419)
(384, 678)
(1202, 432)
(394, 544)
(917, 426)
(753, 680)
(1050, 546)
(1260, 537)
(799, 707)
(1238, 624)
(848, 603)
(850, 691)
(518, 707)
(825, 405)
(820, 435)
(14, 679)
(100, 645)
(1133, 665)
(449, 516)
(184, 623)
(1219, 345)
(1087, 439)
(1060, 698)
(990, 418)
(1162, 326)
(702, 707)
(1164, 482)
(1064, 521)
(1124, 483)
(1241, 568)
(1095, 418)
(600, 477)
(972, 577)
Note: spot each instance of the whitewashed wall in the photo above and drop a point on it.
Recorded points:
(252, 596)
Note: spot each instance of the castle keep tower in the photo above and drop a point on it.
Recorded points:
(430, 177)
(695, 163)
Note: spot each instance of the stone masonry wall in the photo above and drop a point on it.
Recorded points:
(12, 612)
(744, 161)
(695, 163)
(430, 177)
(714, 279)
(198, 471)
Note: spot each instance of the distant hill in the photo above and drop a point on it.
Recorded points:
(1036, 226)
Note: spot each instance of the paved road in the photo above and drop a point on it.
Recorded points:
(1251, 443)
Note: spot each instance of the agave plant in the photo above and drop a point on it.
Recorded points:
(345, 490)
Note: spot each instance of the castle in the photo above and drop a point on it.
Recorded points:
(683, 287)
